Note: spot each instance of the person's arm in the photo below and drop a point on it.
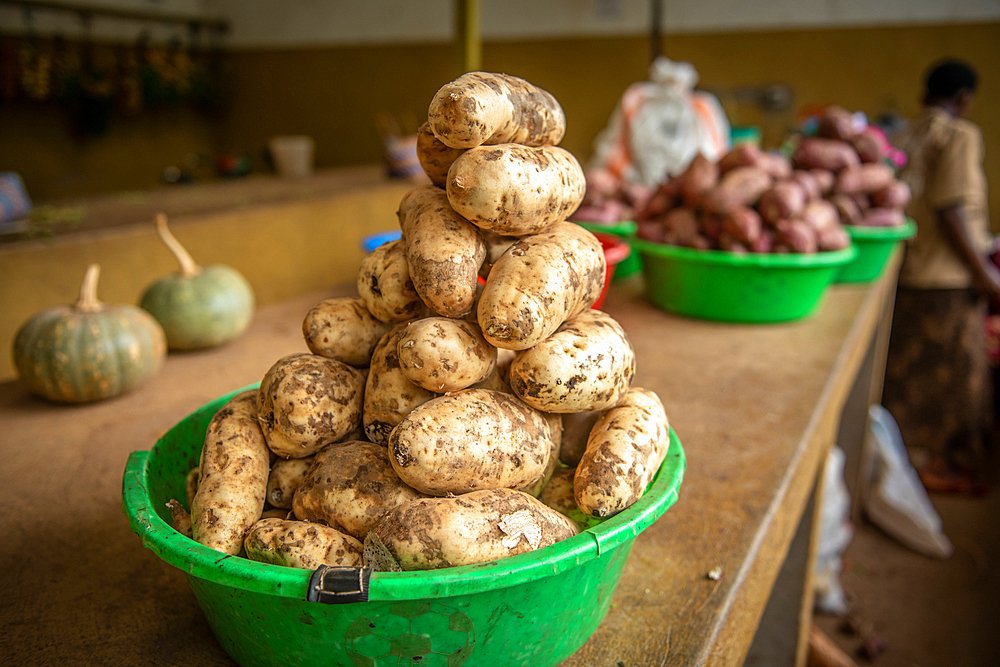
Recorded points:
(985, 275)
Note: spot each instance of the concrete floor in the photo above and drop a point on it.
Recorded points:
(929, 612)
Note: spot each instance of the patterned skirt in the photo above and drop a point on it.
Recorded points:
(938, 379)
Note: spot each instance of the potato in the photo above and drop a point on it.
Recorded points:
(836, 122)
(776, 166)
(883, 217)
(444, 251)
(795, 235)
(743, 225)
(471, 528)
(349, 487)
(233, 479)
(847, 209)
(486, 108)
(539, 283)
(555, 436)
(820, 153)
(825, 178)
(389, 394)
(385, 286)
(285, 477)
(343, 329)
(180, 520)
(516, 190)
(741, 155)
(191, 485)
(307, 402)
(741, 186)
(832, 238)
(496, 246)
(558, 493)
(820, 214)
(625, 449)
(680, 227)
(443, 355)
(586, 365)
(810, 183)
(472, 440)
(865, 178)
(301, 544)
(576, 431)
(868, 147)
(700, 176)
(435, 157)
(895, 195)
(784, 200)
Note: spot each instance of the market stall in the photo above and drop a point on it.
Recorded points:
(757, 408)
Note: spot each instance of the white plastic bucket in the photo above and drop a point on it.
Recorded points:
(293, 155)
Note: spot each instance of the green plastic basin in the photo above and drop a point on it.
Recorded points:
(730, 287)
(875, 244)
(533, 609)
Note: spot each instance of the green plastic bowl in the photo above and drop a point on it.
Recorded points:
(533, 609)
(875, 244)
(625, 230)
(730, 287)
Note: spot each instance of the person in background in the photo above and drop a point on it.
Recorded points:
(938, 382)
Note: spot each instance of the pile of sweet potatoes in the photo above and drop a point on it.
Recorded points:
(757, 201)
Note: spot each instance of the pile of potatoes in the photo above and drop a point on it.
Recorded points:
(468, 404)
(761, 202)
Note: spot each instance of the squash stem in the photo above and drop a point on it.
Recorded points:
(88, 290)
(188, 266)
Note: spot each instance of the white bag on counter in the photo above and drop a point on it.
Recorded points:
(660, 125)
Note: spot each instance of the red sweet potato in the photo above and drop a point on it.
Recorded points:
(741, 186)
(700, 177)
(785, 199)
(741, 155)
(820, 214)
(817, 152)
(835, 122)
(883, 217)
(847, 209)
(896, 195)
(743, 224)
(865, 178)
(826, 179)
(868, 147)
(795, 235)
(832, 238)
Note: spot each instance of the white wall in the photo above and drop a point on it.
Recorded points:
(282, 23)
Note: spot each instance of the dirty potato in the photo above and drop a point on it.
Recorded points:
(389, 394)
(286, 476)
(301, 544)
(349, 486)
(555, 435)
(516, 190)
(492, 108)
(576, 432)
(343, 329)
(539, 283)
(233, 479)
(385, 286)
(558, 493)
(443, 355)
(472, 440)
(470, 528)
(307, 402)
(625, 449)
(444, 251)
(586, 365)
(434, 156)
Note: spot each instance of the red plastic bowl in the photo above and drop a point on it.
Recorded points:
(615, 250)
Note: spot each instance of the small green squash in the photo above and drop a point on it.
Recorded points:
(90, 350)
(199, 307)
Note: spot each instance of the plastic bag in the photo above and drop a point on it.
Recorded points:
(660, 125)
(835, 533)
(897, 501)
